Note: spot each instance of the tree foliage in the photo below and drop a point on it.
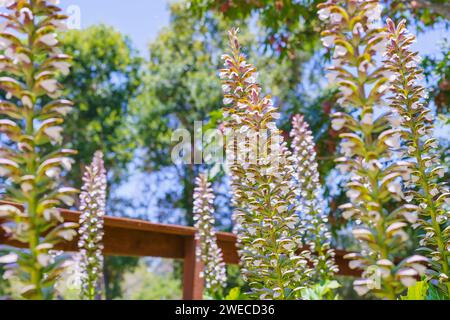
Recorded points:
(180, 87)
(437, 73)
(105, 78)
(291, 27)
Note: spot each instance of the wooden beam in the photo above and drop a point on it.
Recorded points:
(131, 237)
(128, 237)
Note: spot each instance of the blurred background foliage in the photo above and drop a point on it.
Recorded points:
(130, 104)
(104, 78)
(152, 279)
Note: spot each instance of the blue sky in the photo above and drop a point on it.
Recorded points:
(140, 19)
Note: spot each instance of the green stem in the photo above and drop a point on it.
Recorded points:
(431, 205)
(32, 201)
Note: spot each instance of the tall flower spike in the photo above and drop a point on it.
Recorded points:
(367, 144)
(311, 203)
(92, 206)
(208, 251)
(429, 200)
(31, 159)
(263, 193)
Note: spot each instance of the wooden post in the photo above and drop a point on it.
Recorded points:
(192, 283)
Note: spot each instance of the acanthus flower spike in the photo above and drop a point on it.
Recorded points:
(311, 203)
(92, 207)
(268, 228)
(208, 252)
(428, 200)
(354, 35)
(33, 162)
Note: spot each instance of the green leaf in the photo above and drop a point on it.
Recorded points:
(417, 292)
(320, 291)
(435, 294)
(235, 294)
(333, 285)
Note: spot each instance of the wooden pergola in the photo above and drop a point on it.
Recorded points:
(138, 238)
